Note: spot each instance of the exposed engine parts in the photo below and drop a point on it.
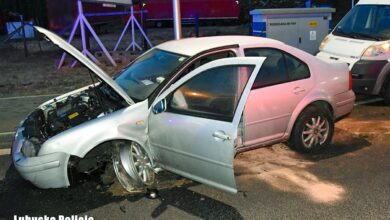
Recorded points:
(69, 112)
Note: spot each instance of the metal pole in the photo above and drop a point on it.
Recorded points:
(133, 22)
(143, 25)
(82, 27)
(85, 26)
(24, 35)
(177, 19)
(197, 24)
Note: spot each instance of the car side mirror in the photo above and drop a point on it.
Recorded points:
(160, 107)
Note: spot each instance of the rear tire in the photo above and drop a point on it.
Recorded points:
(313, 130)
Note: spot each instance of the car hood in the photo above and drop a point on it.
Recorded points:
(85, 61)
(347, 47)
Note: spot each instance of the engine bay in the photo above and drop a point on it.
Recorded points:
(68, 112)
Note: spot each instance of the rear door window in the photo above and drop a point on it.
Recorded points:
(273, 70)
(297, 69)
(279, 67)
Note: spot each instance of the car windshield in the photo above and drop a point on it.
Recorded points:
(369, 22)
(140, 79)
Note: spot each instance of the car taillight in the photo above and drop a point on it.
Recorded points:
(350, 80)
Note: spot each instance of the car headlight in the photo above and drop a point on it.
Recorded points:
(324, 42)
(377, 50)
(29, 148)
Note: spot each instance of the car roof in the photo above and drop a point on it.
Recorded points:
(373, 2)
(193, 46)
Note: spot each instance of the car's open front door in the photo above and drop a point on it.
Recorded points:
(193, 124)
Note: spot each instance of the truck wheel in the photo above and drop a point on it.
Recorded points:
(313, 130)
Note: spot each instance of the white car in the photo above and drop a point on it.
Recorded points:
(362, 39)
(185, 106)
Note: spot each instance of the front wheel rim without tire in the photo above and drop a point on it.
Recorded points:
(132, 166)
(142, 164)
(316, 131)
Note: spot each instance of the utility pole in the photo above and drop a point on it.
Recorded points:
(177, 19)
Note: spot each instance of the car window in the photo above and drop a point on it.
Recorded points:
(208, 58)
(212, 94)
(273, 71)
(143, 77)
(296, 69)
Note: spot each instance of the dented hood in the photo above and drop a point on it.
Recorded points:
(85, 61)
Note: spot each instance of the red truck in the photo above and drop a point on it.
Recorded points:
(62, 13)
(161, 10)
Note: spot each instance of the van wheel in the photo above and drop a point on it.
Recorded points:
(313, 130)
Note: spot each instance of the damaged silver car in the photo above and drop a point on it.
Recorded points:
(186, 106)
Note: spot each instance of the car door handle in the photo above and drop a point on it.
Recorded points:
(298, 90)
(220, 135)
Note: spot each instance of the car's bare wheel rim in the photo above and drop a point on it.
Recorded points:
(142, 164)
(316, 131)
(132, 166)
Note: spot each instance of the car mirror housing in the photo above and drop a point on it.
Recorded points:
(160, 107)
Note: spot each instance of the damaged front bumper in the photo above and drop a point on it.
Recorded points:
(366, 76)
(44, 171)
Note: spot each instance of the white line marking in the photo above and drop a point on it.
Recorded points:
(368, 101)
(7, 133)
(5, 152)
(29, 96)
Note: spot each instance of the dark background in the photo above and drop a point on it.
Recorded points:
(37, 9)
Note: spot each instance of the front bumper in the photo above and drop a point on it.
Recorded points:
(44, 171)
(364, 86)
(366, 74)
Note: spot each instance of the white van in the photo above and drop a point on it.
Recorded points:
(362, 39)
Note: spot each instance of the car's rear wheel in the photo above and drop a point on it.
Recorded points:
(133, 166)
(313, 130)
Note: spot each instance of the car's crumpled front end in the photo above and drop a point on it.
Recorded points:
(44, 171)
(71, 124)
(52, 118)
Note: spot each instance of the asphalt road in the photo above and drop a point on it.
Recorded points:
(350, 180)
(12, 111)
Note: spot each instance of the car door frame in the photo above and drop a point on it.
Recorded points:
(287, 51)
(235, 48)
(239, 61)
